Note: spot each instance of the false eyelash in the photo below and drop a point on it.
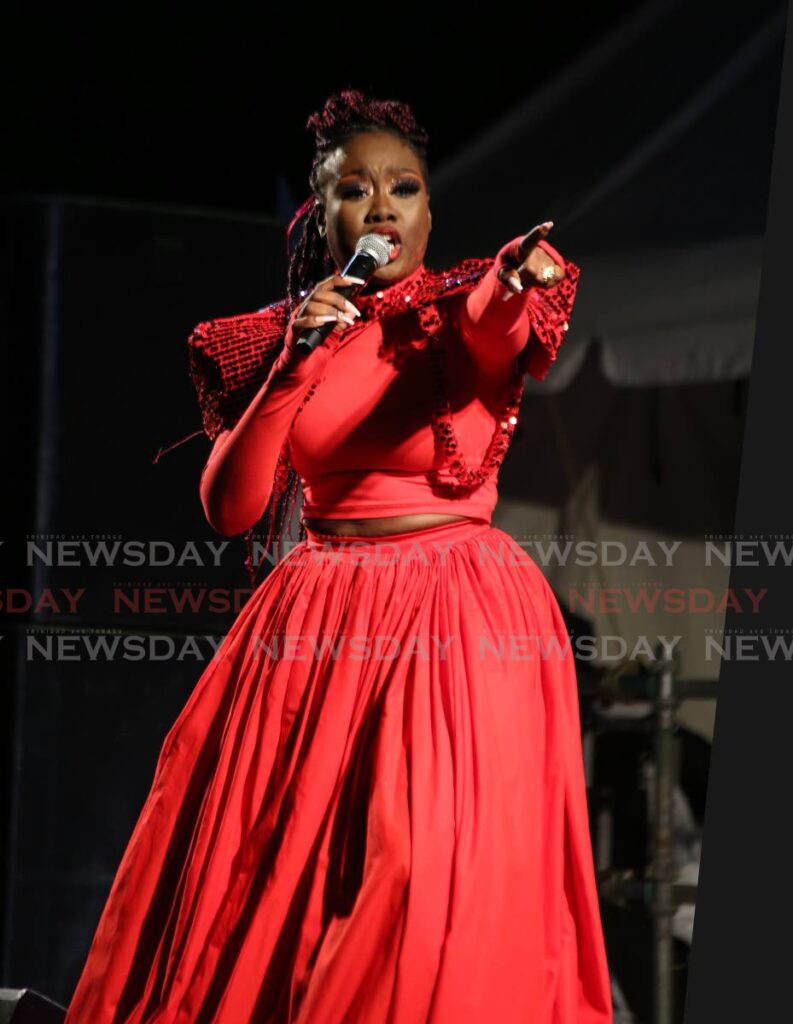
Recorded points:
(409, 187)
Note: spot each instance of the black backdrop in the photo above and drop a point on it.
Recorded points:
(101, 300)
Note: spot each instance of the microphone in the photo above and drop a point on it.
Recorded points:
(371, 252)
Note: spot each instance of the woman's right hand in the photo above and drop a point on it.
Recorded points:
(323, 305)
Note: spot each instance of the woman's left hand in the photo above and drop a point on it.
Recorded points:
(532, 265)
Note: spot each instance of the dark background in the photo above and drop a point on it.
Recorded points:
(131, 139)
(142, 105)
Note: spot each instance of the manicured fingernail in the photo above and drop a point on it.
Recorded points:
(351, 308)
(355, 280)
(325, 319)
(347, 319)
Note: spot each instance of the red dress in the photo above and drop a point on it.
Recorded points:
(372, 808)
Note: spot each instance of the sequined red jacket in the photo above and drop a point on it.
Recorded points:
(416, 407)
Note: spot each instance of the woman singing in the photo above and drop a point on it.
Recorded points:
(372, 808)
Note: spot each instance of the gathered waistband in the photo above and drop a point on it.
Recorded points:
(447, 533)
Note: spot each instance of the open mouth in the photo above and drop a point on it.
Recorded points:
(396, 245)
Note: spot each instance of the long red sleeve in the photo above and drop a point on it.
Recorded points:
(530, 324)
(237, 480)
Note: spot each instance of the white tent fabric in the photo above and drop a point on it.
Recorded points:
(667, 316)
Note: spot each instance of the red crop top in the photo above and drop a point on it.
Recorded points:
(358, 426)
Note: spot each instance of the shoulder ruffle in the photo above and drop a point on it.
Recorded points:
(230, 358)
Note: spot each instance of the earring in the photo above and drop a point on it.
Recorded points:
(322, 230)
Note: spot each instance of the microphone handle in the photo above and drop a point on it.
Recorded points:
(362, 265)
(308, 342)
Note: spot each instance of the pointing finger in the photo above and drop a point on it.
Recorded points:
(533, 237)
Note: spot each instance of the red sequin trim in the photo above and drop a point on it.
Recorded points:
(230, 358)
(466, 478)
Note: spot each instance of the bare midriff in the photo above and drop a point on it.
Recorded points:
(380, 526)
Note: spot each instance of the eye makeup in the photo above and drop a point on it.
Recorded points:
(403, 187)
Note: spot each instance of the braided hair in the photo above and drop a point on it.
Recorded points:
(344, 115)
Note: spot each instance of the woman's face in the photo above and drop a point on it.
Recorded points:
(374, 180)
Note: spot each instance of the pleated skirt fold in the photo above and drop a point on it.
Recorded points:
(371, 809)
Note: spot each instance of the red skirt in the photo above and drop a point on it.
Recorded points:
(371, 809)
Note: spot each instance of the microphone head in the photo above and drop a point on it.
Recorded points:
(375, 245)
